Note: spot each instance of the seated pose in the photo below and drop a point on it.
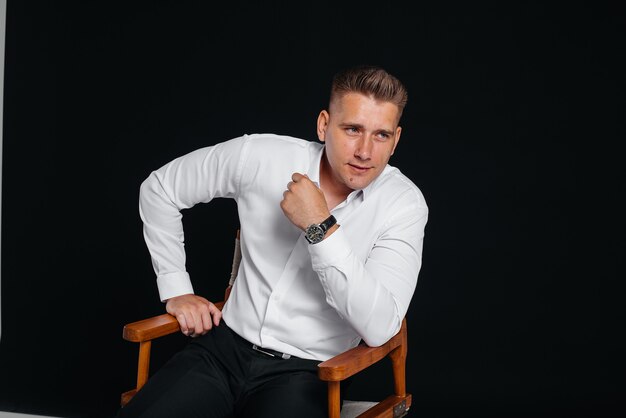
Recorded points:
(331, 243)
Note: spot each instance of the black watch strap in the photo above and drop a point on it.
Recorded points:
(328, 223)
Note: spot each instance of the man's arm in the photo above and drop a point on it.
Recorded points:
(373, 296)
(182, 183)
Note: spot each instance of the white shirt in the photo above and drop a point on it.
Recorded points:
(313, 301)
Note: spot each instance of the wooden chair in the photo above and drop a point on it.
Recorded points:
(333, 371)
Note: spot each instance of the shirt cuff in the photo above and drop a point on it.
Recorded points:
(174, 284)
(331, 249)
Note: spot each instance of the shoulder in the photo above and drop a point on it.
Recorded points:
(276, 141)
(267, 148)
(394, 186)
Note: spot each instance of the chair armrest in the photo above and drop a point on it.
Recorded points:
(154, 327)
(358, 358)
(151, 328)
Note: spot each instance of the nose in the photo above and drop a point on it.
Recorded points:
(363, 150)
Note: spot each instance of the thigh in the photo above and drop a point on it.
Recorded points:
(191, 384)
(298, 394)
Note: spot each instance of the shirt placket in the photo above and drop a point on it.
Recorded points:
(275, 305)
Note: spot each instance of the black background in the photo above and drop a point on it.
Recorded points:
(512, 132)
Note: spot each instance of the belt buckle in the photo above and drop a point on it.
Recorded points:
(275, 354)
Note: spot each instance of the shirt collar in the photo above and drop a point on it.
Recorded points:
(314, 167)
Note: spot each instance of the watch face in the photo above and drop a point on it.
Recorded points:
(314, 234)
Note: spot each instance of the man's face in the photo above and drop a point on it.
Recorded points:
(360, 134)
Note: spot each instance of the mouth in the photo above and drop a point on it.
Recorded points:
(358, 168)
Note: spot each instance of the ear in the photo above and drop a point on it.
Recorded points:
(322, 125)
(397, 139)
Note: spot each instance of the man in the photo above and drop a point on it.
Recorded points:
(331, 240)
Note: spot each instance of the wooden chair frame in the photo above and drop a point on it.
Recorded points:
(333, 371)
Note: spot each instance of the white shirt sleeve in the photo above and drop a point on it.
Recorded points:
(374, 295)
(197, 177)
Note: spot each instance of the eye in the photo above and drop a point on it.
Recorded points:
(351, 130)
(383, 136)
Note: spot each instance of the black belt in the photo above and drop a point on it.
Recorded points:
(266, 351)
(271, 352)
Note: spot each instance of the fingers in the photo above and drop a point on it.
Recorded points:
(216, 314)
(198, 328)
(205, 323)
(209, 317)
(195, 315)
(188, 323)
(293, 184)
(182, 321)
(296, 177)
(201, 318)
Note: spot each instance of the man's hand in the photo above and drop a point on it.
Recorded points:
(303, 202)
(195, 314)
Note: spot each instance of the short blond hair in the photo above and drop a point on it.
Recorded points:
(371, 81)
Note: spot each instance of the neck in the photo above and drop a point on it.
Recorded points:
(334, 191)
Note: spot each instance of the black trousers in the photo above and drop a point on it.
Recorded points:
(219, 375)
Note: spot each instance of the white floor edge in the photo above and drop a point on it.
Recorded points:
(16, 415)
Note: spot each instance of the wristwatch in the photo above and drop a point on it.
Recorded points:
(314, 233)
